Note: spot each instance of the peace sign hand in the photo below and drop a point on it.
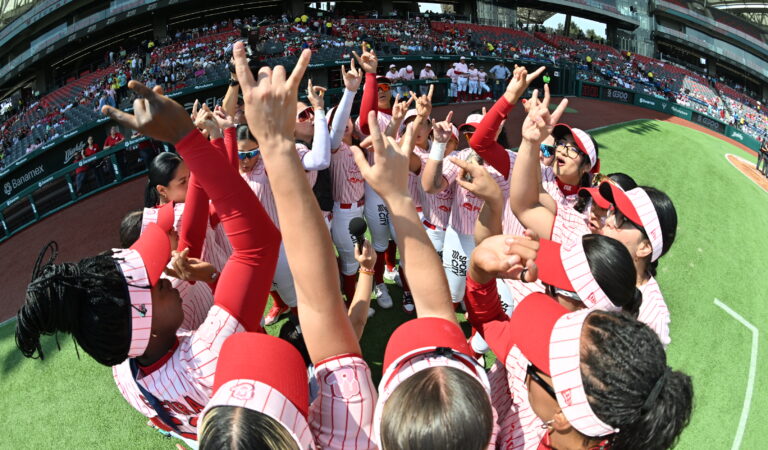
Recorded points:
(539, 123)
(368, 60)
(352, 78)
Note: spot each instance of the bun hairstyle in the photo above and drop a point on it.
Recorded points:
(130, 228)
(613, 269)
(88, 299)
(629, 385)
(244, 133)
(161, 171)
(234, 427)
(667, 214)
(440, 407)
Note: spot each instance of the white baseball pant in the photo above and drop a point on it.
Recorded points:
(452, 90)
(342, 238)
(484, 87)
(473, 87)
(436, 235)
(283, 280)
(462, 86)
(377, 217)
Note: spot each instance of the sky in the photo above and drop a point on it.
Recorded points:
(584, 24)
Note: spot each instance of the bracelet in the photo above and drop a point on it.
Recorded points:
(366, 271)
(234, 83)
(214, 275)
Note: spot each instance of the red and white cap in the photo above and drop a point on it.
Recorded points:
(420, 344)
(142, 265)
(565, 266)
(166, 216)
(583, 142)
(550, 338)
(637, 207)
(472, 120)
(596, 197)
(274, 383)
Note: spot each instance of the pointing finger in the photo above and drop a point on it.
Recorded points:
(449, 117)
(244, 74)
(299, 69)
(125, 119)
(431, 91)
(142, 90)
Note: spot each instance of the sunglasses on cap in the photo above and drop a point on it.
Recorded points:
(547, 150)
(533, 372)
(249, 154)
(306, 114)
(383, 87)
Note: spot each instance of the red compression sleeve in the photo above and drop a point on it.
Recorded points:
(484, 139)
(230, 143)
(247, 278)
(194, 219)
(486, 315)
(370, 101)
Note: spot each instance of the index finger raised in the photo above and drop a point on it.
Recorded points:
(431, 91)
(244, 74)
(298, 71)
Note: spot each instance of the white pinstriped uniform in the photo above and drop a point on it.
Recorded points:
(519, 426)
(342, 414)
(259, 183)
(654, 311)
(311, 174)
(184, 383)
(348, 190)
(436, 210)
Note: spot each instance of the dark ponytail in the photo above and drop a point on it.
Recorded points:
(87, 299)
(613, 269)
(161, 171)
(586, 179)
(629, 385)
(667, 214)
(130, 228)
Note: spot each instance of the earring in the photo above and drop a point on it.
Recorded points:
(547, 424)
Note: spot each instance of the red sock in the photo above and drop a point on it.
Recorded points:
(349, 282)
(390, 257)
(378, 268)
(406, 288)
(278, 300)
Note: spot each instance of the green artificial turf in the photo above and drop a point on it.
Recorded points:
(65, 403)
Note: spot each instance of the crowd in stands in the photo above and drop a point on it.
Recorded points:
(193, 56)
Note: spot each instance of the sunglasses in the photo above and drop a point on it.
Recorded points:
(248, 155)
(547, 150)
(553, 292)
(619, 219)
(305, 115)
(384, 87)
(533, 372)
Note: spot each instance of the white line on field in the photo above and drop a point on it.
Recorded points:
(12, 319)
(750, 378)
(737, 168)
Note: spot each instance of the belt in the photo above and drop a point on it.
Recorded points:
(352, 205)
(432, 227)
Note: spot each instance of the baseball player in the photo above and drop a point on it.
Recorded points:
(394, 76)
(453, 87)
(426, 74)
(405, 74)
(426, 357)
(473, 83)
(131, 318)
(462, 71)
(481, 79)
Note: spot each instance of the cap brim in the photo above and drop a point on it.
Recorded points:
(155, 251)
(166, 216)
(424, 333)
(278, 364)
(616, 196)
(469, 124)
(596, 197)
(550, 264)
(531, 327)
(383, 80)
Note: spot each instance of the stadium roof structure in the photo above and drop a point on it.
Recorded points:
(11, 9)
(753, 11)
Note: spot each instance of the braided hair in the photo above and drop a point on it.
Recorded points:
(88, 299)
(629, 385)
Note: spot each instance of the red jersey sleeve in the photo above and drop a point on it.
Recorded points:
(194, 219)
(484, 139)
(486, 315)
(369, 101)
(230, 144)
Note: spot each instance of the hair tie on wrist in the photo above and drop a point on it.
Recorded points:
(522, 275)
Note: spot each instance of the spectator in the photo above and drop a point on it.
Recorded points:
(406, 74)
(499, 75)
(82, 171)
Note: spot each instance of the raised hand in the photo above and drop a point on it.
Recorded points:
(389, 174)
(504, 256)
(368, 60)
(520, 81)
(424, 103)
(399, 108)
(352, 78)
(222, 119)
(270, 101)
(206, 123)
(315, 95)
(538, 124)
(154, 115)
(442, 131)
(482, 185)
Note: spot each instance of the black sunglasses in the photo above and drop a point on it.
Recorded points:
(533, 372)
(547, 150)
(620, 219)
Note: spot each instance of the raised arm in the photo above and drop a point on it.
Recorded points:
(484, 139)
(483, 185)
(533, 208)
(424, 270)
(352, 79)
(432, 180)
(229, 104)
(358, 307)
(319, 156)
(270, 108)
(369, 63)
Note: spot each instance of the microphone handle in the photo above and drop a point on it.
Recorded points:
(359, 241)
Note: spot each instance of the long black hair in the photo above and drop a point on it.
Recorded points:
(161, 171)
(624, 181)
(88, 299)
(667, 214)
(613, 269)
(629, 385)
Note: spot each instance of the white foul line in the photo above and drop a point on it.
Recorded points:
(751, 377)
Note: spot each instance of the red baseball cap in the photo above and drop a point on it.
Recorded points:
(636, 206)
(273, 383)
(472, 120)
(583, 142)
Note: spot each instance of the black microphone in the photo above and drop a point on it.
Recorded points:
(357, 227)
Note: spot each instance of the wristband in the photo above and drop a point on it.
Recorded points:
(437, 150)
(234, 83)
(214, 275)
(366, 271)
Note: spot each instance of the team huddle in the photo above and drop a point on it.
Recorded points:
(552, 261)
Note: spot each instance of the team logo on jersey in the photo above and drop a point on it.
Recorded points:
(591, 298)
(243, 391)
(470, 207)
(343, 382)
(566, 396)
(444, 208)
(355, 180)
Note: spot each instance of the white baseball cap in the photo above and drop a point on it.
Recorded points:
(409, 68)
(392, 66)
(428, 65)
